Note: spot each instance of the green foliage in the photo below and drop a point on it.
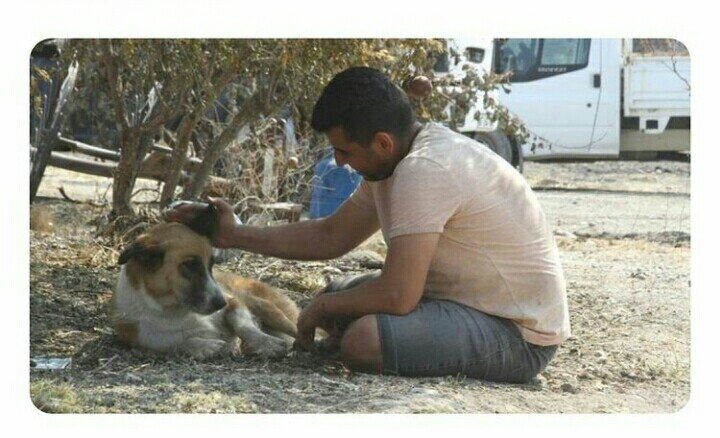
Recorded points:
(285, 71)
(259, 78)
(52, 396)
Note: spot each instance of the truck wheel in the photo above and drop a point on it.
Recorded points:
(518, 158)
(497, 142)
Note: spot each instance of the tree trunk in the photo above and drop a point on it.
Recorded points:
(50, 124)
(212, 154)
(45, 144)
(179, 156)
(131, 154)
(185, 130)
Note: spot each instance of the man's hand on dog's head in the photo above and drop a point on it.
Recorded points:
(182, 213)
(226, 226)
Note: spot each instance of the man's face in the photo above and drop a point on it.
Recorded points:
(373, 162)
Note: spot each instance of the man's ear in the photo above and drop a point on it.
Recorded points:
(150, 257)
(206, 222)
(385, 142)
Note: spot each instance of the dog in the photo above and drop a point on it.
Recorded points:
(169, 298)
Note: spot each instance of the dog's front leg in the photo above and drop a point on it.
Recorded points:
(254, 340)
(202, 348)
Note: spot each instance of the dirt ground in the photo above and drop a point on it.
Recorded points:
(623, 229)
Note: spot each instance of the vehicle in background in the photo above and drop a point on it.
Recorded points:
(459, 54)
(590, 98)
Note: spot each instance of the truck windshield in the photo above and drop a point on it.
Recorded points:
(533, 59)
(517, 55)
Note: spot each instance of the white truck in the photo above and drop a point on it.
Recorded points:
(585, 98)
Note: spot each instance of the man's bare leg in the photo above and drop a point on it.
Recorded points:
(360, 346)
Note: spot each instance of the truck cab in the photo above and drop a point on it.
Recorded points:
(590, 98)
(566, 91)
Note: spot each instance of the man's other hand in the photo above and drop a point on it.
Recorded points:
(309, 319)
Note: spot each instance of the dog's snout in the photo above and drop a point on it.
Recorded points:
(204, 297)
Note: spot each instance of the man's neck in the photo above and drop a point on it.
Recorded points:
(405, 149)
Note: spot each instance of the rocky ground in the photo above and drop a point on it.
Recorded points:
(623, 229)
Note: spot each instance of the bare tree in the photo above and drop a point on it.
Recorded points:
(135, 127)
(185, 77)
(50, 119)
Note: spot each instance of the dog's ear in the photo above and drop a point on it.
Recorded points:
(150, 257)
(206, 222)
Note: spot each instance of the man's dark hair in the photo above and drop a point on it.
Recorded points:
(362, 101)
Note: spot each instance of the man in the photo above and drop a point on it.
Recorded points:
(472, 282)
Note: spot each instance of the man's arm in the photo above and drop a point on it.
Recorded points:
(397, 291)
(316, 239)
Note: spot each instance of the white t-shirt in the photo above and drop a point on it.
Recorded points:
(496, 252)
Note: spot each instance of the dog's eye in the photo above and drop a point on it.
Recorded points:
(191, 266)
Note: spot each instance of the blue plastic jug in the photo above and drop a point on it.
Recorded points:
(331, 186)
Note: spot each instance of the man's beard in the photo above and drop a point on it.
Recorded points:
(374, 177)
(381, 174)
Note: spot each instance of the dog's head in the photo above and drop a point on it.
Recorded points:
(173, 263)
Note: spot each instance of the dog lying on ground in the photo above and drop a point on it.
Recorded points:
(170, 299)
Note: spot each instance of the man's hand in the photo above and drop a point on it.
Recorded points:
(224, 235)
(309, 319)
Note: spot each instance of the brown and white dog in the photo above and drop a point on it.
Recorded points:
(170, 299)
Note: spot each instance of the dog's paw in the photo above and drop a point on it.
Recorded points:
(267, 347)
(201, 348)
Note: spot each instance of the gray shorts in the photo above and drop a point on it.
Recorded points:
(442, 337)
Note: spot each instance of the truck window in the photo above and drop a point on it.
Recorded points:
(571, 52)
(475, 54)
(533, 59)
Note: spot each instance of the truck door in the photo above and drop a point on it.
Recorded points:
(555, 90)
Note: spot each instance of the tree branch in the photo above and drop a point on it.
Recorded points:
(115, 86)
(212, 154)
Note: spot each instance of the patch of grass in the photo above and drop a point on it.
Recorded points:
(304, 283)
(54, 397)
(212, 402)
(41, 219)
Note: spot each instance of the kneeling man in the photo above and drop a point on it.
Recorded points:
(472, 283)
